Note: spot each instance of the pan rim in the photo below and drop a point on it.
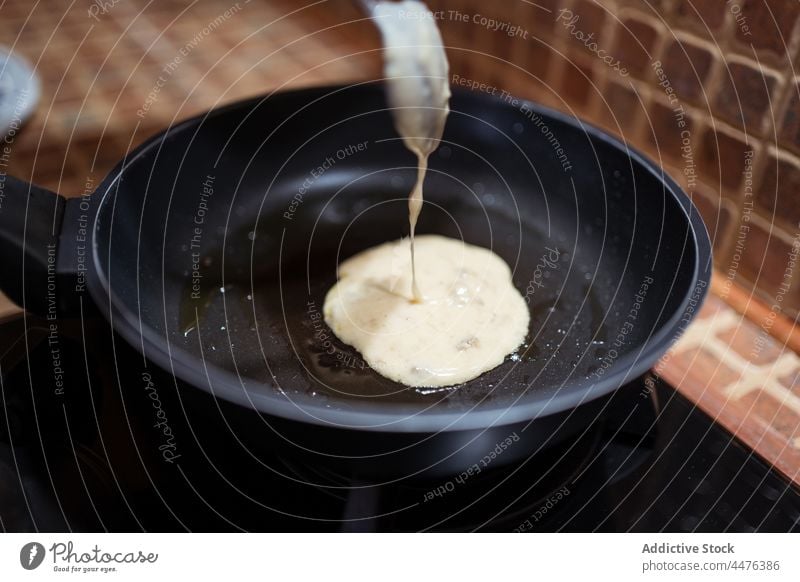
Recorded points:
(371, 416)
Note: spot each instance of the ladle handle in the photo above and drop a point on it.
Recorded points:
(30, 227)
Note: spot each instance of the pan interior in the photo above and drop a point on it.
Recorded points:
(236, 223)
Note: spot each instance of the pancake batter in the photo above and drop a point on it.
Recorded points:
(470, 318)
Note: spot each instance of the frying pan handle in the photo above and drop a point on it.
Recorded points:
(30, 225)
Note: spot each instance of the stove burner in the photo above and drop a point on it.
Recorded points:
(488, 498)
(68, 463)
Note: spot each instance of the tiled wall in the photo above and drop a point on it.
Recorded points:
(726, 69)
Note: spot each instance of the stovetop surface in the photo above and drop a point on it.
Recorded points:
(654, 463)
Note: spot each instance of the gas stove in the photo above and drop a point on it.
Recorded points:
(70, 462)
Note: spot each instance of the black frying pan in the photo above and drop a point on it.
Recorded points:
(211, 247)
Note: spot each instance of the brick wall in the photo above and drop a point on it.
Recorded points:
(725, 69)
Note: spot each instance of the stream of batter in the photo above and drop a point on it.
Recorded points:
(463, 315)
(418, 91)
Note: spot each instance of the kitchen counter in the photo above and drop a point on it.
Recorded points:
(742, 376)
(115, 72)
